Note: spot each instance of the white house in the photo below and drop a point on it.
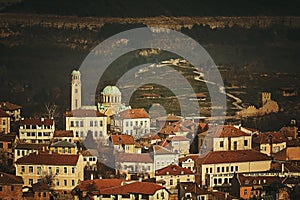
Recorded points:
(36, 130)
(163, 157)
(82, 121)
(135, 122)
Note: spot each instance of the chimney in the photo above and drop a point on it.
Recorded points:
(92, 176)
(42, 119)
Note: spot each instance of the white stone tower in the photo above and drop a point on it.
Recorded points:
(75, 90)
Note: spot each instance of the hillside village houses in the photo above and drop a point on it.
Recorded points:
(178, 158)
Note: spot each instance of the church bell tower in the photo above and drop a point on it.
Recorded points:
(75, 90)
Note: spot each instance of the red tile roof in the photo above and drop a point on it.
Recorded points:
(38, 122)
(215, 157)
(3, 114)
(10, 137)
(84, 113)
(185, 158)
(134, 157)
(226, 131)
(257, 180)
(7, 106)
(161, 150)
(134, 188)
(170, 118)
(32, 146)
(122, 139)
(173, 170)
(98, 184)
(63, 133)
(173, 128)
(264, 138)
(179, 138)
(43, 158)
(133, 114)
(9, 179)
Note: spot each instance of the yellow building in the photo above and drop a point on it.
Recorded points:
(66, 170)
(63, 147)
(124, 143)
(218, 167)
(4, 122)
(171, 175)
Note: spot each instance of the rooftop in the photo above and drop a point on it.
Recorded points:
(9, 179)
(215, 157)
(38, 122)
(42, 158)
(122, 139)
(63, 143)
(173, 170)
(134, 113)
(134, 157)
(7, 106)
(84, 113)
(63, 133)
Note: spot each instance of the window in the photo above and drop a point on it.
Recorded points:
(245, 143)
(57, 182)
(30, 181)
(73, 182)
(57, 170)
(76, 90)
(126, 124)
(81, 123)
(245, 192)
(210, 170)
(12, 188)
(77, 123)
(207, 170)
(72, 124)
(231, 168)
(0, 188)
(91, 123)
(215, 181)
(40, 134)
(30, 169)
(236, 168)
(65, 170)
(69, 150)
(39, 170)
(219, 181)
(101, 123)
(3, 122)
(171, 181)
(221, 144)
(18, 152)
(227, 169)
(218, 169)
(96, 134)
(96, 123)
(65, 183)
(223, 169)
(50, 170)
(235, 145)
(22, 169)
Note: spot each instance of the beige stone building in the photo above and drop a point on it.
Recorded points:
(171, 175)
(218, 167)
(66, 170)
(4, 122)
(224, 138)
(13, 110)
(268, 106)
(36, 130)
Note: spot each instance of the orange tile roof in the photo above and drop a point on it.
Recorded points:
(63, 133)
(38, 122)
(43, 158)
(10, 137)
(122, 139)
(84, 113)
(226, 131)
(169, 118)
(7, 106)
(134, 113)
(173, 170)
(216, 157)
(134, 157)
(134, 188)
